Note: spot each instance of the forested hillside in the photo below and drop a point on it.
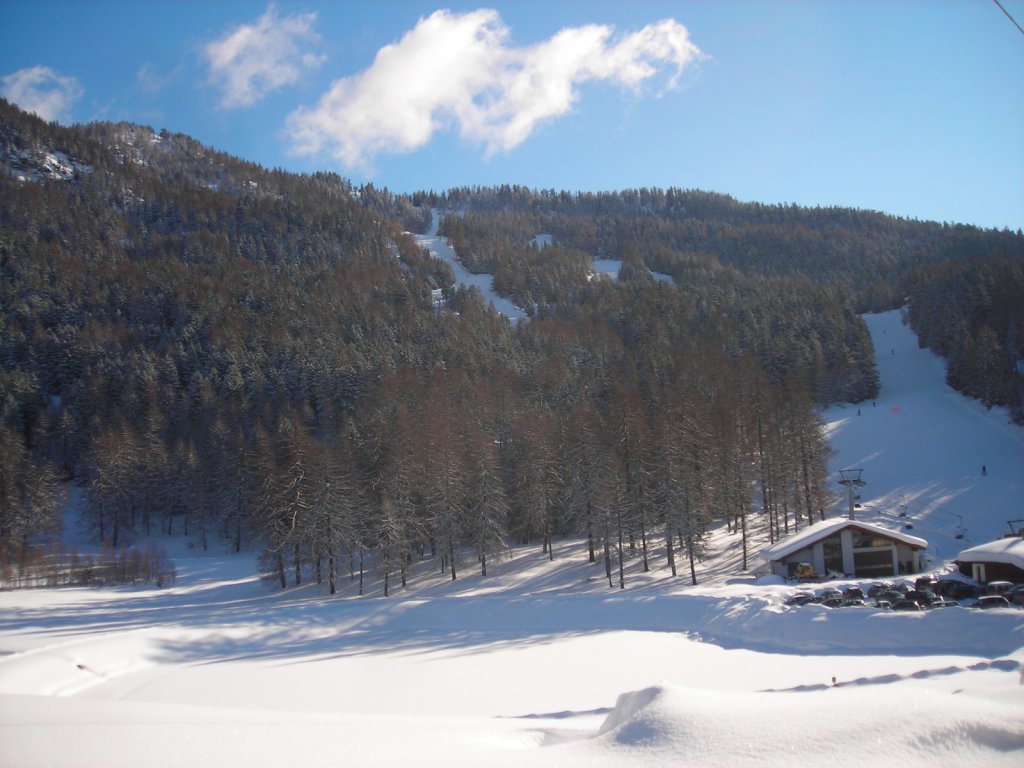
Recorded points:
(784, 283)
(254, 357)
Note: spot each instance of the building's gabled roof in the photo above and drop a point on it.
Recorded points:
(824, 529)
(1009, 551)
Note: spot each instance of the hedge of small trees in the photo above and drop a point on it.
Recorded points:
(54, 565)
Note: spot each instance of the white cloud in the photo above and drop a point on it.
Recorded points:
(43, 91)
(457, 70)
(150, 80)
(254, 59)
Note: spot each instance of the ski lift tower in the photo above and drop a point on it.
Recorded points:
(852, 480)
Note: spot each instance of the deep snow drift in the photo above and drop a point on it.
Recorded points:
(541, 663)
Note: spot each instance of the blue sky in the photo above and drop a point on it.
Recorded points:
(914, 108)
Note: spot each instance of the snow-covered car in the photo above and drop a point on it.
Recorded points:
(929, 583)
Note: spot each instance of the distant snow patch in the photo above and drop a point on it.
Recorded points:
(28, 165)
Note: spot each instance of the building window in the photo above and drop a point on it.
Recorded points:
(873, 563)
(863, 540)
(833, 550)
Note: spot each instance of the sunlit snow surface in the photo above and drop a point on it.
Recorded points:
(439, 248)
(542, 664)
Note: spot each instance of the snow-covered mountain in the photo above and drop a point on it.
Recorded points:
(935, 462)
(541, 664)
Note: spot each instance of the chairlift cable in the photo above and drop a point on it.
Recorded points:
(1001, 8)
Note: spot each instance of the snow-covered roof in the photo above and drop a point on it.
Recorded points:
(826, 528)
(1009, 551)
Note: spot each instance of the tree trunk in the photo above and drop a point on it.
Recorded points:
(607, 562)
(669, 552)
(590, 533)
(743, 522)
(622, 572)
(693, 567)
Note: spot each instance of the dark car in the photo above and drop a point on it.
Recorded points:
(801, 598)
(878, 587)
(942, 603)
(853, 603)
(992, 601)
(1015, 595)
(922, 596)
(998, 587)
(853, 593)
(890, 596)
(957, 590)
(907, 605)
(929, 583)
(835, 602)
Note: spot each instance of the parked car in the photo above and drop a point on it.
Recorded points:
(929, 583)
(800, 598)
(853, 603)
(828, 593)
(853, 593)
(885, 605)
(998, 587)
(922, 596)
(836, 602)
(1015, 595)
(992, 601)
(878, 587)
(890, 596)
(942, 603)
(907, 605)
(957, 590)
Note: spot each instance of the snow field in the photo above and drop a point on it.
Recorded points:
(541, 664)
